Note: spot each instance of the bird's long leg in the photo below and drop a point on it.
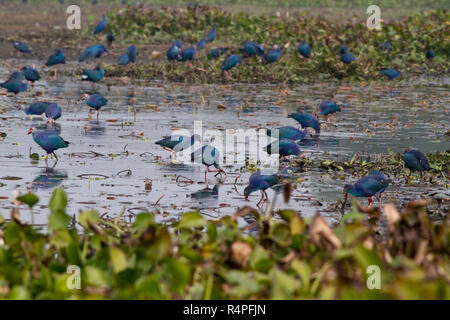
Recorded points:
(98, 113)
(46, 161)
(18, 53)
(370, 202)
(206, 172)
(379, 201)
(267, 198)
(54, 74)
(261, 200)
(56, 157)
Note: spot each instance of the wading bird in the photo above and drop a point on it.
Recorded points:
(93, 52)
(306, 120)
(100, 26)
(261, 182)
(49, 141)
(132, 53)
(416, 161)
(285, 148)
(37, 108)
(348, 58)
(211, 35)
(390, 73)
(304, 49)
(287, 132)
(328, 107)
(250, 48)
(371, 185)
(272, 55)
(208, 156)
(95, 101)
(94, 75)
(53, 112)
(57, 57)
(229, 63)
(177, 143)
(21, 47)
(31, 74)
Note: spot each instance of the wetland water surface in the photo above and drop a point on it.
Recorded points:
(374, 120)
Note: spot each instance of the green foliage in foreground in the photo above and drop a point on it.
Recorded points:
(199, 259)
(410, 38)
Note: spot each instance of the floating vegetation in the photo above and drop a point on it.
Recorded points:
(195, 258)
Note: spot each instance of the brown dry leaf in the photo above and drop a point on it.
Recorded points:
(392, 215)
(417, 203)
(221, 107)
(320, 229)
(156, 54)
(240, 253)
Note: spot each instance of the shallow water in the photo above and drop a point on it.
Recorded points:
(377, 119)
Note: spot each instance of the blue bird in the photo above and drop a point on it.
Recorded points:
(93, 75)
(287, 132)
(37, 108)
(16, 75)
(132, 53)
(260, 181)
(386, 46)
(178, 43)
(216, 53)
(374, 184)
(347, 58)
(390, 73)
(430, 54)
(304, 49)
(49, 141)
(92, 52)
(201, 44)
(178, 143)
(110, 38)
(306, 120)
(31, 74)
(100, 26)
(53, 112)
(272, 55)
(21, 47)
(230, 62)
(95, 101)
(328, 107)
(416, 161)
(284, 148)
(57, 57)
(15, 86)
(211, 35)
(343, 50)
(188, 54)
(251, 48)
(208, 156)
(173, 53)
(123, 60)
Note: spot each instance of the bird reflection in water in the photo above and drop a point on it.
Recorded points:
(48, 179)
(94, 128)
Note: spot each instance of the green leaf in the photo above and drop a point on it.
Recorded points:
(95, 277)
(179, 273)
(191, 220)
(303, 269)
(143, 220)
(87, 217)
(260, 259)
(118, 259)
(283, 285)
(58, 218)
(34, 156)
(19, 293)
(30, 199)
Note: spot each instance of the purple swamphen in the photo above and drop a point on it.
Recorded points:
(53, 112)
(211, 35)
(416, 161)
(216, 53)
(123, 60)
(390, 73)
(100, 26)
(286, 132)
(229, 63)
(37, 108)
(250, 48)
(57, 57)
(430, 54)
(132, 53)
(94, 75)
(92, 52)
(386, 46)
(304, 49)
(348, 58)
(177, 143)
(371, 185)
(188, 54)
(95, 101)
(260, 181)
(328, 107)
(284, 148)
(48, 140)
(208, 156)
(21, 47)
(306, 120)
(272, 55)
(31, 74)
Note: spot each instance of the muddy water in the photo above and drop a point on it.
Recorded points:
(93, 169)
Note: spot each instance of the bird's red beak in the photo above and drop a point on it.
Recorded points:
(30, 131)
(315, 114)
(246, 197)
